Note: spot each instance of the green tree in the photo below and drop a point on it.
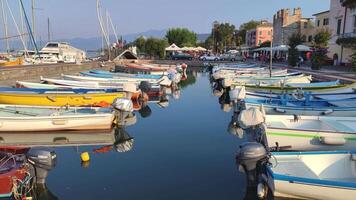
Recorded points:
(293, 53)
(319, 54)
(349, 4)
(265, 44)
(140, 43)
(181, 37)
(245, 27)
(223, 35)
(156, 47)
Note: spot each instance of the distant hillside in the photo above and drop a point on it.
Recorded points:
(95, 43)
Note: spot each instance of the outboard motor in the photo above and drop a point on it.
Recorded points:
(43, 161)
(145, 86)
(252, 158)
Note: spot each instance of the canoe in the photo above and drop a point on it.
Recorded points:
(311, 133)
(164, 81)
(251, 73)
(314, 175)
(16, 118)
(145, 67)
(344, 108)
(18, 96)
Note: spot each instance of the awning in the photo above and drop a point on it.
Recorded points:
(173, 47)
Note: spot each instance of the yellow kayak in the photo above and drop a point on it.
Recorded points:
(60, 99)
(10, 63)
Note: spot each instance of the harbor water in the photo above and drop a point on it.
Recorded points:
(183, 151)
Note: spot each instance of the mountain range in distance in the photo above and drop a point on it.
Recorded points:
(95, 43)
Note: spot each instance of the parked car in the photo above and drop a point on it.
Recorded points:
(182, 56)
(231, 57)
(209, 58)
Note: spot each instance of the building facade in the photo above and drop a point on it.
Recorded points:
(262, 33)
(322, 21)
(342, 24)
(287, 23)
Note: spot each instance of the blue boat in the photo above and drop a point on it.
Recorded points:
(343, 107)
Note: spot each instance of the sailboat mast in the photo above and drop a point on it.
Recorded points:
(29, 29)
(113, 27)
(102, 27)
(33, 18)
(4, 18)
(48, 30)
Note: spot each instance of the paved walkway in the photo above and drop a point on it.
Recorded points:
(344, 74)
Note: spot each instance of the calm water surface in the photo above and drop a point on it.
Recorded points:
(180, 152)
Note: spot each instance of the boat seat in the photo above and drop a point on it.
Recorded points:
(335, 125)
(296, 166)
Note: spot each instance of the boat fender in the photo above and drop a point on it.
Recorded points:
(261, 191)
(250, 117)
(85, 157)
(226, 83)
(279, 110)
(239, 93)
(125, 105)
(332, 140)
(327, 112)
(130, 87)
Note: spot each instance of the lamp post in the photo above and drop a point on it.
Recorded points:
(270, 56)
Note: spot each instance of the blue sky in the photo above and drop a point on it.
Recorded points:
(77, 18)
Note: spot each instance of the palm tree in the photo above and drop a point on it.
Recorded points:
(349, 4)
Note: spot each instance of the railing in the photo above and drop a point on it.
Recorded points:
(347, 35)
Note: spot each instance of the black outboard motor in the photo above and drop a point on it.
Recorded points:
(145, 86)
(43, 161)
(252, 157)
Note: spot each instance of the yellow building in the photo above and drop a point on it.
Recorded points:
(322, 21)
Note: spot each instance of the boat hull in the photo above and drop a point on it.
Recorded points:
(309, 111)
(59, 99)
(57, 123)
(300, 140)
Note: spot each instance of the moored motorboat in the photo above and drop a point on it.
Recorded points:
(16, 118)
(18, 96)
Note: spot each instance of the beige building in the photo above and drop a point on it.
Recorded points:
(342, 24)
(322, 21)
(286, 23)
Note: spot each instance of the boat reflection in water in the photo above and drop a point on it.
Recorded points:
(26, 160)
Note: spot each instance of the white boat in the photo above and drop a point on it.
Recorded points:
(164, 81)
(18, 118)
(311, 133)
(314, 175)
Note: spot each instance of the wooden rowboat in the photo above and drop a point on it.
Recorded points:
(314, 175)
(58, 97)
(14, 118)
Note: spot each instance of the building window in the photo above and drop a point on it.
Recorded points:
(305, 25)
(310, 38)
(269, 32)
(260, 32)
(338, 28)
(326, 22)
(318, 22)
(259, 42)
